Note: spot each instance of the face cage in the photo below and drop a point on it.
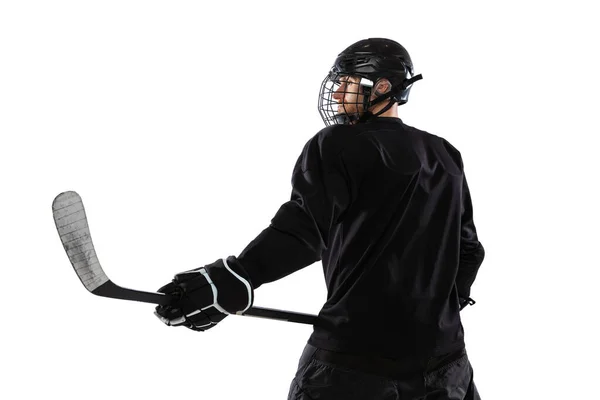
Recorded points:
(334, 112)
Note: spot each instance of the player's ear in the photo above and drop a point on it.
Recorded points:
(382, 87)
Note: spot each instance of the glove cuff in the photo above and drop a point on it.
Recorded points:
(233, 289)
(236, 268)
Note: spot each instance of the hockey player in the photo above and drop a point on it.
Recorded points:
(387, 209)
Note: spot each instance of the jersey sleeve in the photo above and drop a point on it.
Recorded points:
(472, 252)
(299, 232)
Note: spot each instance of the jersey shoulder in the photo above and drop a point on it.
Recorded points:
(446, 153)
(453, 152)
(325, 147)
(442, 143)
(334, 139)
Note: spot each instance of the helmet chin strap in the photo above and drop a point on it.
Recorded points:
(368, 114)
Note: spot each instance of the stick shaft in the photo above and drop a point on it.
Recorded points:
(282, 315)
(109, 289)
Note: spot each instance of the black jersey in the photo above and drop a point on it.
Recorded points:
(386, 208)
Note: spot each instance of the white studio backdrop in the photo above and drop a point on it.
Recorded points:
(179, 124)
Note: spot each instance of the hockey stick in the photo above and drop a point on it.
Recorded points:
(71, 223)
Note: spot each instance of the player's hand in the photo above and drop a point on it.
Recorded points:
(204, 296)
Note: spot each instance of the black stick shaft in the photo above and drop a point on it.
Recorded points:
(282, 315)
(109, 289)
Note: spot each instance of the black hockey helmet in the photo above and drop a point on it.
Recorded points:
(369, 60)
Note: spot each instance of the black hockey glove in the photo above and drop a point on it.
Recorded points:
(204, 296)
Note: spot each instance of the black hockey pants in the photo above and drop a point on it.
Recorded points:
(327, 375)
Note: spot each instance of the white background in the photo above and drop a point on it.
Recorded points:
(179, 124)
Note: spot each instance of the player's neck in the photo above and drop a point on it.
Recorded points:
(392, 112)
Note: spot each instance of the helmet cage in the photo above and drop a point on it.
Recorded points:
(347, 113)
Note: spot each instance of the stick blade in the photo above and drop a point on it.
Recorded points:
(71, 223)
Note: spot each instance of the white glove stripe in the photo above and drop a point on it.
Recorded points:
(215, 293)
(193, 313)
(245, 282)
